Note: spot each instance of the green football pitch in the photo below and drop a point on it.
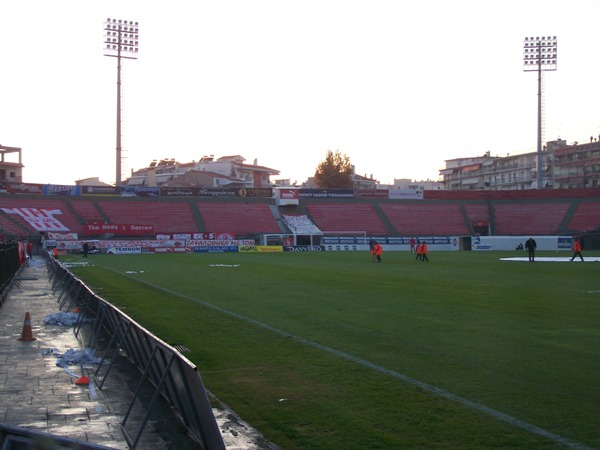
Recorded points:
(331, 351)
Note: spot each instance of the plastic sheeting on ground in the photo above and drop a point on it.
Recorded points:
(66, 319)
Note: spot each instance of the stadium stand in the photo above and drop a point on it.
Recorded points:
(531, 218)
(10, 228)
(426, 219)
(586, 217)
(87, 210)
(59, 208)
(477, 213)
(239, 219)
(164, 216)
(440, 213)
(347, 217)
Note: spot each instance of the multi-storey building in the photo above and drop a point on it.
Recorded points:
(11, 170)
(577, 166)
(223, 172)
(564, 166)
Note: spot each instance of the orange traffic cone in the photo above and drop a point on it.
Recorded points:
(82, 381)
(27, 334)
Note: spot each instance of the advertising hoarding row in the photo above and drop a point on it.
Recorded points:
(283, 195)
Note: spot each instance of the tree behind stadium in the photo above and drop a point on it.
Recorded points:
(335, 171)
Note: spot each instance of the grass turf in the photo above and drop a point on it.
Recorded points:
(327, 350)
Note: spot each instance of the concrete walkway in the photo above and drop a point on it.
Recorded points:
(37, 394)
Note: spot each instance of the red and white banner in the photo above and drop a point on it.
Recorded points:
(287, 196)
(126, 229)
(39, 219)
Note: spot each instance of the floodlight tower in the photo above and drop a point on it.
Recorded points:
(120, 41)
(539, 53)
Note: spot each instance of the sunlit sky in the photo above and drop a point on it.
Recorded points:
(397, 86)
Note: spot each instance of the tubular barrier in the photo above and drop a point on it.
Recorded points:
(9, 266)
(172, 376)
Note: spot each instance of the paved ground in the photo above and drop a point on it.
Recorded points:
(36, 393)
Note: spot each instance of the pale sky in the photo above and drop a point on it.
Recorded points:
(398, 86)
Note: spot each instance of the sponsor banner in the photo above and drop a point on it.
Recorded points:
(106, 244)
(565, 243)
(24, 188)
(124, 250)
(269, 248)
(171, 191)
(435, 240)
(118, 228)
(172, 250)
(203, 236)
(260, 248)
(490, 243)
(61, 189)
(383, 240)
(405, 194)
(39, 219)
(178, 192)
(302, 248)
(216, 249)
(216, 242)
(140, 191)
(288, 193)
(326, 193)
(395, 240)
(347, 240)
(287, 196)
(62, 236)
(254, 192)
(345, 247)
(99, 190)
(371, 193)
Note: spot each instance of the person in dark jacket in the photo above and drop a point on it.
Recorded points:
(531, 245)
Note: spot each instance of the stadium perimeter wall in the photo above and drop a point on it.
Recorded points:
(341, 243)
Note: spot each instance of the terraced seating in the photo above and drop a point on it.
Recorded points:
(426, 219)
(9, 228)
(86, 210)
(347, 217)
(586, 217)
(239, 219)
(165, 217)
(512, 219)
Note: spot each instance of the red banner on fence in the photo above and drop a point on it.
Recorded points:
(123, 229)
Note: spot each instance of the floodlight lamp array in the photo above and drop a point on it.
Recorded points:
(121, 36)
(540, 53)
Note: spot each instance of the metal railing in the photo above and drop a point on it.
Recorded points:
(171, 375)
(19, 438)
(9, 266)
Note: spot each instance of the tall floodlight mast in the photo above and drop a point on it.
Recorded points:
(539, 54)
(120, 41)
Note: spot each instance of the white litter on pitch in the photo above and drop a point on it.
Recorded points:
(552, 259)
